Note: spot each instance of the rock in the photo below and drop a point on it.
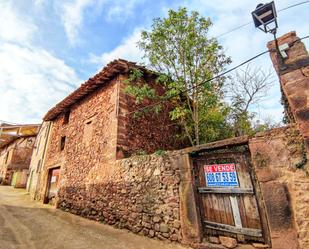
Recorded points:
(164, 228)
(145, 231)
(151, 233)
(157, 227)
(228, 242)
(206, 245)
(259, 245)
(166, 219)
(176, 224)
(147, 225)
(174, 237)
(166, 235)
(156, 219)
(214, 240)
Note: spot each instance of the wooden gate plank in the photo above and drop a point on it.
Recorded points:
(227, 228)
(225, 190)
(242, 211)
(252, 213)
(236, 214)
(229, 212)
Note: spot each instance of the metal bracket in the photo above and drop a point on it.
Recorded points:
(282, 50)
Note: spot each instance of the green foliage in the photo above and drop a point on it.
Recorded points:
(137, 87)
(178, 47)
(304, 159)
(140, 153)
(160, 152)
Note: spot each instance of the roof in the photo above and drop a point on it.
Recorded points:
(9, 133)
(109, 72)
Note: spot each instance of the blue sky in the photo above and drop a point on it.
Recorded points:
(49, 47)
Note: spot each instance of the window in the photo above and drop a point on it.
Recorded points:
(66, 117)
(88, 131)
(62, 143)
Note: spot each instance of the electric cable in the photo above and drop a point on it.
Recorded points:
(246, 24)
(213, 78)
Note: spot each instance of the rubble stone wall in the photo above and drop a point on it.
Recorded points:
(19, 157)
(90, 140)
(142, 195)
(145, 131)
(277, 157)
(294, 80)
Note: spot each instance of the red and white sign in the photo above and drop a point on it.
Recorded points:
(220, 168)
(221, 175)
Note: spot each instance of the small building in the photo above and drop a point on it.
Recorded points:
(37, 160)
(16, 145)
(97, 124)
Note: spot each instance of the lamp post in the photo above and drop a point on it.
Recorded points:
(265, 19)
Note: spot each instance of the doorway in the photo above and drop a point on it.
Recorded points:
(52, 186)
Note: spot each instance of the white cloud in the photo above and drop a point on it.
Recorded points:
(122, 9)
(31, 79)
(72, 15)
(127, 50)
(14, 27)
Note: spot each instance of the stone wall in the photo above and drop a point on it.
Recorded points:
(277, 157)
(145, 131)
(19, 155)
(142, 195)
(155, 195)
(293, 74)
(90, 140)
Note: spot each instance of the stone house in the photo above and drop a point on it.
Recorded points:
(91, 167)
(95, 125)
(37, 160)
(16, 147)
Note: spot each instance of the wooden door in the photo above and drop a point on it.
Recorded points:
(226, 195)
(52, 185)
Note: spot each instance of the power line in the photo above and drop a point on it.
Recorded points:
(213, 78)
(246, 24)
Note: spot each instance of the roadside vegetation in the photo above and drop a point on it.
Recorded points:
(187, 59)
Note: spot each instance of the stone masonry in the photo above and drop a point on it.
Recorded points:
(15, 159)
(156, 195)
(142, 195)
(276, 155)
(294, 78)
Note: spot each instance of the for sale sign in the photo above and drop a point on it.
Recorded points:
(221, 175)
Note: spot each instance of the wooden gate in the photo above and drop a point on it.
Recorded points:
(226, 194)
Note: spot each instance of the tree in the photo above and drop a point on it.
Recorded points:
(178, 47)
(246, 88)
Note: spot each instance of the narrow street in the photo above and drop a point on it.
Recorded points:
(25, 224)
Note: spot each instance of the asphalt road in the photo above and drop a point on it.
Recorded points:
(25, 224)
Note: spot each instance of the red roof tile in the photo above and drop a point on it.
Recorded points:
(108, 73)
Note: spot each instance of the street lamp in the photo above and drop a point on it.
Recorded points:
(265, 17)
